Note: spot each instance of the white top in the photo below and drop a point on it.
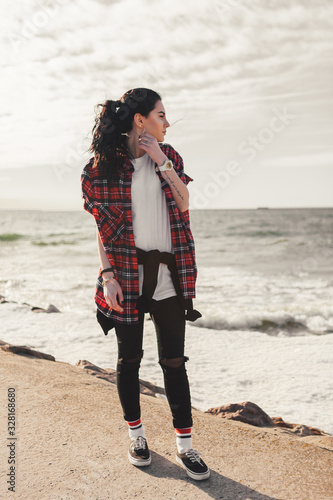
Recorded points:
(151, 221)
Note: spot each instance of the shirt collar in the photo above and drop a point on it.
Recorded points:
(127, 164)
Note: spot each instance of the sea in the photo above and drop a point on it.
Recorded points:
(264, 288)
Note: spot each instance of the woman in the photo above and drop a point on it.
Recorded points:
(136, 189)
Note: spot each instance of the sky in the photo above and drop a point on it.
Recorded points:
(247, 88)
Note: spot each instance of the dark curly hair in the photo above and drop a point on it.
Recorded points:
(112, 123)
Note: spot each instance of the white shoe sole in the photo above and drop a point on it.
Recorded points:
(193, 475)
(138, 462)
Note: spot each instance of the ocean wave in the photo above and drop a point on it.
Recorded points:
(53, 243)
(256, 234)
(62, 234)
(10, 236)
(285, 325)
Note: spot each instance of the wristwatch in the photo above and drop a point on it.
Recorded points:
(167, 165)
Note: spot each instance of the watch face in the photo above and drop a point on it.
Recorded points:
(169, 165)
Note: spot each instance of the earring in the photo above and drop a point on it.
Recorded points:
(142, 131)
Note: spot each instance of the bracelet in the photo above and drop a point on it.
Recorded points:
(105, 280)
(106, 269)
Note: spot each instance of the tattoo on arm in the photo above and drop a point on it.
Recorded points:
(176, 189)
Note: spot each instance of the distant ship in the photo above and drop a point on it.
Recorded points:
(262, 208)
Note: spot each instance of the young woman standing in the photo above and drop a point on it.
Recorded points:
(136, 188)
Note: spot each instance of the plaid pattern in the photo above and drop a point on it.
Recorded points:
(111, 208)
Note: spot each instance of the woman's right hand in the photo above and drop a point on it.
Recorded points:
(112, 292)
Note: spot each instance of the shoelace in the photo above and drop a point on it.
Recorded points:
(193, 455)
(140, 443)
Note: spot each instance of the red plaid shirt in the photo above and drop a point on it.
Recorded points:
(111, 207)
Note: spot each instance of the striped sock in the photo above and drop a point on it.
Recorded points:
(183, 439)
(136, 429)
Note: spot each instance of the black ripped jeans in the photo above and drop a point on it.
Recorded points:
(169, 319)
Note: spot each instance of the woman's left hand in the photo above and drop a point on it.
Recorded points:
(148, 143)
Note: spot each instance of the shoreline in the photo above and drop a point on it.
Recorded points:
(72, 443)
(246, 412)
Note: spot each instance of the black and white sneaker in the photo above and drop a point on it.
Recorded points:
(138, 453)
(193, 464)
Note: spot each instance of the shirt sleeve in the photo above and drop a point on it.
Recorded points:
(87, 192)
(179, 167)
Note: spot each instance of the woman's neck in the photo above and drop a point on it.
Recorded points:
(133, 146)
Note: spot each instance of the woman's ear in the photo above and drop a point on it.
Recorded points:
(138, 120)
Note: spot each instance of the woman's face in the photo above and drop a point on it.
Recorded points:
(156, 123)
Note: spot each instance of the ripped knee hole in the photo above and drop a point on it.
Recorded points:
(131, 360)
(173, 362)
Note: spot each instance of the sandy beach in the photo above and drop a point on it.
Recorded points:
(72, 443)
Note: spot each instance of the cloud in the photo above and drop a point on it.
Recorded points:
(220, 69)
(322, 159)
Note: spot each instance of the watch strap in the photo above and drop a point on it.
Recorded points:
(167, 165)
